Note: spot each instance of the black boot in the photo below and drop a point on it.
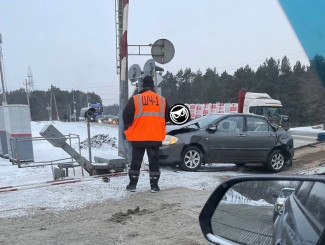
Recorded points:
(154, 178)
(134, 176)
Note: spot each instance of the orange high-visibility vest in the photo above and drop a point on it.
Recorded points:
(149, 118)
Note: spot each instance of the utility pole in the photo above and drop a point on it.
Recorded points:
(50, 107)
(56, 108)
(69, 112)
(30, 79)
(52, 96)
(27, 92)
(4, 97)
(74, 107)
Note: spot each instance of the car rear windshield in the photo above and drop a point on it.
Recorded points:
(286, 192)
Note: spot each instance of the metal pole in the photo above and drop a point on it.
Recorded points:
(140, 84)
(26, 83)
(50, 111)
(124, 93)
(56, 108)
(69, 113)
(74, 107)
(89, 145)
(4, 97)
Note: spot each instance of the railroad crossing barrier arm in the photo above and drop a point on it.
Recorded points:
(57, 139)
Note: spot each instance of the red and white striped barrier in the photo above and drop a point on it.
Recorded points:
(199, 110)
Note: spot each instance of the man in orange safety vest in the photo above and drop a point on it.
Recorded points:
(144, 119)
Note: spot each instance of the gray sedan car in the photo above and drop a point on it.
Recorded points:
(227, 138)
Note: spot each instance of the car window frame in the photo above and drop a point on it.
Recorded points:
(307, 214)
(319, 226)
(270, 128)
(226, 118)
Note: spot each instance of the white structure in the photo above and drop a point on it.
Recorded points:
(18, 130)
(3, 135)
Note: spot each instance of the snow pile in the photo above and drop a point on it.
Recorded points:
(313, 129)
(99, 141)
(235, 197)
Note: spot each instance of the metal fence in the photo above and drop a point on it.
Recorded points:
(61, 164)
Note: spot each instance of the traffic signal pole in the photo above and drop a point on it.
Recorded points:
(124, 92)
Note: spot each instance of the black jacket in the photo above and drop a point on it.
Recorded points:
(128, 116)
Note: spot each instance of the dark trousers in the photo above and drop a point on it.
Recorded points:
(137, 158)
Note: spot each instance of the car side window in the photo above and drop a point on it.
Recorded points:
(303, 191)
(315, 203)
(255, 124)
(231, 124)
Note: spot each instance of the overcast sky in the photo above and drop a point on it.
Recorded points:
(71, 43)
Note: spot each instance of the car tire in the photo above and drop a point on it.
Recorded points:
(276, 161)
(191, 158)
(275, 215)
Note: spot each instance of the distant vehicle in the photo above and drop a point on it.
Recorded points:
(91, 112)
(284, 194)
(263, 104)
(248, 102)
(302, 219)
(101, 119)
(112, 119)
(227, 138)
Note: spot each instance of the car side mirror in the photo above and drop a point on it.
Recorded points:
(212, 127)
(241, 209)
(275, 126)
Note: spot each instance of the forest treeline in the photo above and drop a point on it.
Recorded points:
(40, 100)
(297, 87)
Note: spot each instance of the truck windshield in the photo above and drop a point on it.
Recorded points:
(272, 111)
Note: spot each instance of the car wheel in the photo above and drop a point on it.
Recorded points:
(191, 159)
(276, 161)
(275, 215)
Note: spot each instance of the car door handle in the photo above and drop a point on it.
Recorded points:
(271, 135)
(241, 135)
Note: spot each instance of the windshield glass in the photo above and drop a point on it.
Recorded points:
(203, 121)
(272, 111)
(286, 192)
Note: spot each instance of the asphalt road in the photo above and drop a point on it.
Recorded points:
(244, 223)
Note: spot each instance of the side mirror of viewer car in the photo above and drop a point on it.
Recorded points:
(243, 210)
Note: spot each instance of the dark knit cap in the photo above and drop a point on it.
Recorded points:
(147, 82)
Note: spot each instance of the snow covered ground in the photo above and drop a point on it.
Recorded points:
(314, 129)
(34, 193)
(234, 197)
